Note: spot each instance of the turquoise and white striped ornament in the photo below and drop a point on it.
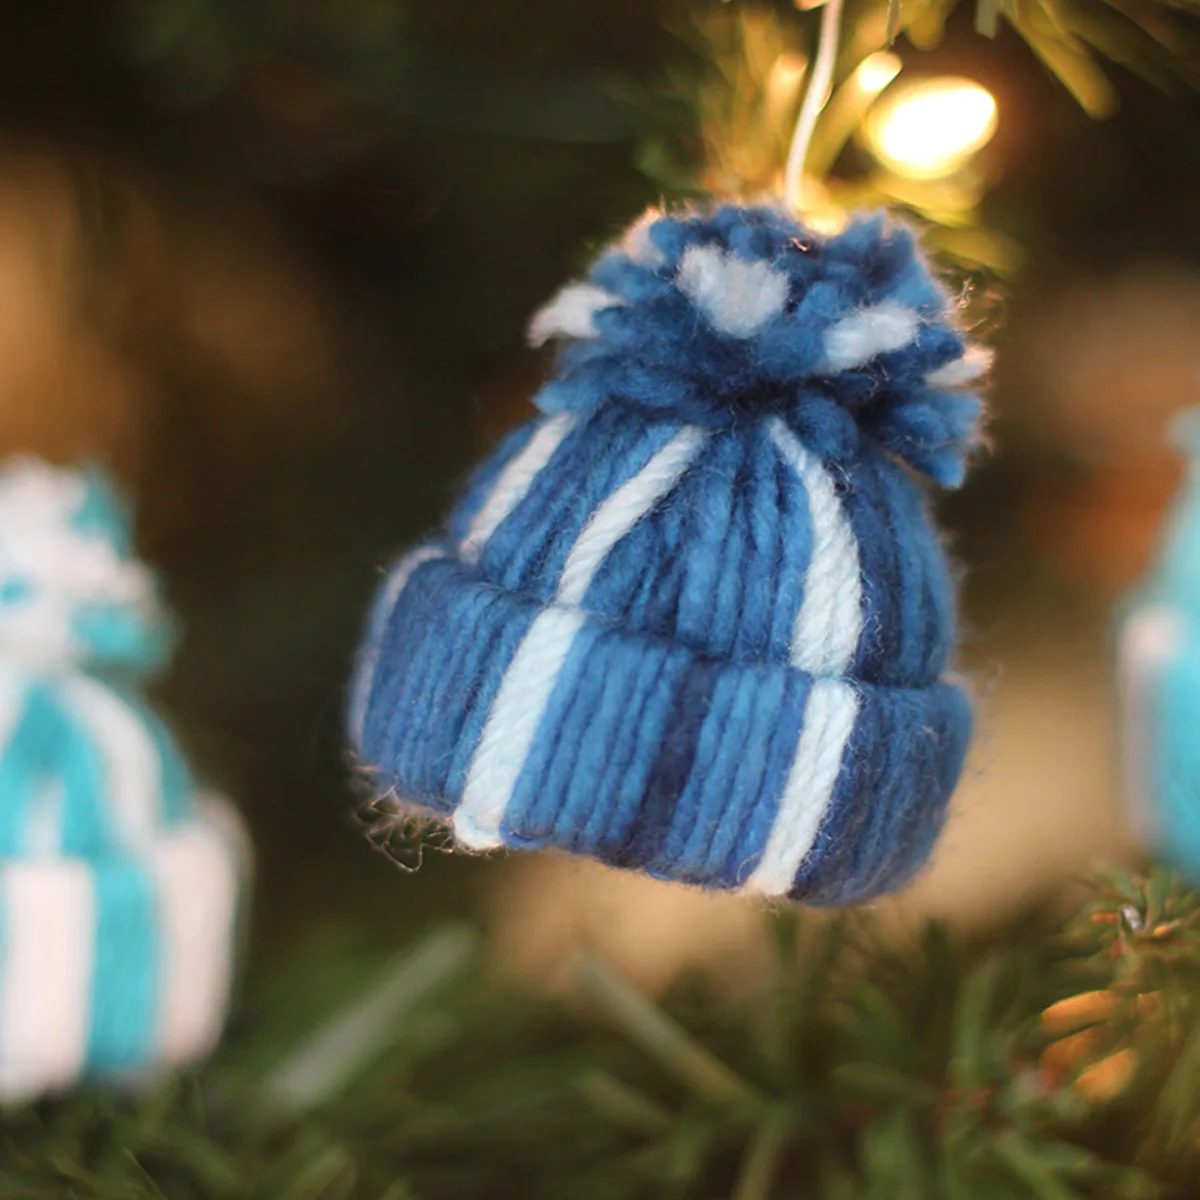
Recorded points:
(119, 878)
(1159, 680)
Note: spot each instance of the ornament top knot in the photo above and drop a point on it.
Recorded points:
(726, 316)
(694, 619)
(72, 594)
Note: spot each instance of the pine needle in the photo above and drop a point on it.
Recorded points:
(645, 1023)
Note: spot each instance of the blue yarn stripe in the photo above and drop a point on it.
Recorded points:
(21, 762)
(54, 757)
(367, 661)
(459, 686)
(644, 720)
(432, 695)
(118, 636)
(761, 812)
(719, 843)
(125, 974)
(514, 481)
(88, 828)
(543, 667)
(402, 636)
(50, 756)
(483, 479)
(543, 798)
(588, 769)
(405, 693)
(906, 589)
(905, 744)
(731, 549)
(527, 552)
(672, 765)
(710, 581)
(726, 778)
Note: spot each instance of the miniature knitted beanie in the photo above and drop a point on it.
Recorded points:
(118, 879)
(695, 619)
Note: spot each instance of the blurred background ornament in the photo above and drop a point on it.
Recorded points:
(1159, 677)
(119, 877)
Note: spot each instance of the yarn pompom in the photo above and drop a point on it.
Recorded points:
(71, 590)
(721, 318)
(120, 877)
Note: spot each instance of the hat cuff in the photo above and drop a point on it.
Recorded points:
(532, 726)
(120, 965)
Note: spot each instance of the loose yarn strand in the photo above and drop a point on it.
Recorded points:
(815, 96)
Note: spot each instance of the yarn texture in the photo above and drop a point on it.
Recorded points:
(695, 619)
(119, 878)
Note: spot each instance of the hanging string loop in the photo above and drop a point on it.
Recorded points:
(815, 96)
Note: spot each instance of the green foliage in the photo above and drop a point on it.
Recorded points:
(863, 1068)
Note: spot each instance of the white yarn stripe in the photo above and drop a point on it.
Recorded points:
(828, 722)
(528, 683)
(637, 244)
(196, 876)
(623, 510)
(738, 297)
(131, 760)
(959, 372)
(512, 724)
(364, 679)
(49, 927)
(571, 313)
(867, 332)
(827, 627)
(14, 687)
(514, 482)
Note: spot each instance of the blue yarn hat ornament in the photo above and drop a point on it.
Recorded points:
(694, 620)
(1159, 679)
(119, 878)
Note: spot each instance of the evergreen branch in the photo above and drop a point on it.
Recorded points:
(1044, 1064)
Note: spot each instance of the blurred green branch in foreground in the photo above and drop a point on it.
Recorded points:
(1039, 1064)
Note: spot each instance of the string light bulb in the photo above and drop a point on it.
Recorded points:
(929, 128)
(876, 71)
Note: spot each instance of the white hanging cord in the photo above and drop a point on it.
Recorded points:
(815, 96)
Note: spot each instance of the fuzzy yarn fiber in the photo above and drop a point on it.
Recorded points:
(119, 879)
(695, 619)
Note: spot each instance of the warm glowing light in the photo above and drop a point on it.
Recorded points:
(782, 87)
(876, 71)
(929, 128)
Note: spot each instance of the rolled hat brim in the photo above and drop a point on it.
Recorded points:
(533, 726)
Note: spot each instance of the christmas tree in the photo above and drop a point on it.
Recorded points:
(274, 263)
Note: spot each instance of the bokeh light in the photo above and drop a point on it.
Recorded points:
(929, 128)
(876, 71)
